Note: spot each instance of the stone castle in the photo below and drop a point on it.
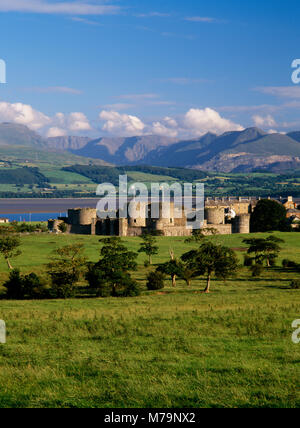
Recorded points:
(226, 216)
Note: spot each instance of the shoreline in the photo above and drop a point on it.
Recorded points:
(41, 206)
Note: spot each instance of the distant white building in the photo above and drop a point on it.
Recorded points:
(4, 220)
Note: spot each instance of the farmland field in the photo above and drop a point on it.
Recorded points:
(173, 348)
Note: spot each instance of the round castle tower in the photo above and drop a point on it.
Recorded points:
(82, 216)
(215, 215)
(241, 224)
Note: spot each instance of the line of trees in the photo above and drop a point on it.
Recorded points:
(111, 275)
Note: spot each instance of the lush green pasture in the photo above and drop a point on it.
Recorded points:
(173, 348)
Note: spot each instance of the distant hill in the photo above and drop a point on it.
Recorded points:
(67, 143)
(121, 151)
(233, 151)
(21, 145)
(294, 135)
(238, 151)
(19, 135)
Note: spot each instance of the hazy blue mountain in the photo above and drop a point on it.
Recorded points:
(238, 151)
(67, 143)
(294, 135)
(19, 144)
(123, 150)
(19, 135)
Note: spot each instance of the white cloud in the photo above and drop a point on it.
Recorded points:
(281, 91)
(64, 8)
(264, 121)
(194, 123)
(62, 124)
(85, 21)
(138, 97)
(153, 15)
(121, 124)
(201, 121)
(23, 114)
(55, 89)
(56, 132)
(118, 106)
(204, 19)
(161, 129)
(74, 122)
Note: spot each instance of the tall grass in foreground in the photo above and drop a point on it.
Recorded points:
(172, 348)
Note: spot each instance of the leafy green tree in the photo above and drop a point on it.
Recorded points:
(155, 281)
(15, 285)
(269, 216)
(148, 246)
(188, 274)
(27, 287)
(65, 270)
(35, 287)
(256, 269)
(9, 248)
(212, 259)
(173, 268)
(111, 275)
(199, 235)
(264, 250)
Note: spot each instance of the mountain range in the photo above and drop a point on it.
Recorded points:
(238, 151)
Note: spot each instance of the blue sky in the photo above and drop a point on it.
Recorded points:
(177, 68)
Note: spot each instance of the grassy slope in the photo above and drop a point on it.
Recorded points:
(176, 348)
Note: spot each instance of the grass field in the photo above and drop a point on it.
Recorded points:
(175, 348)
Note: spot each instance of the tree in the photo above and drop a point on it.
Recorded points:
(24, 287)
(148, 246)
(111, 275)
(188, 274)
(14, 285)
(211, 259)
(173, 268)
(198, 235)
(155, 281)
(269, 216)
(65, 270)
(264, 249)
(9, 248)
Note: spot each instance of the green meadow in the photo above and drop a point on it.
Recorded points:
(173, 348)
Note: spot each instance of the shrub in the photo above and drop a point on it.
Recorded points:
(15, 286)
(63, 285)
(127, 287)
(257, 270)
(27, 287)
(295, 285)
(147, 264)
(289, 264)
(155, 281)
(34, 287)
(97, 283)
(248, 261)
